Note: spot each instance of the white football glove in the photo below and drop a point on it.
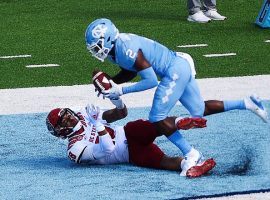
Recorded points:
(114, 93)
(92, 111)
(92, 116)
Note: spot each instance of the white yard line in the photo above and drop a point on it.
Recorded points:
(267, 41)
(17, 56)
(192, 45)
(43, 65)
(43, 99)
(219, 55)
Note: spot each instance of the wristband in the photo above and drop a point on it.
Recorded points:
(118, 103)
(99, 127)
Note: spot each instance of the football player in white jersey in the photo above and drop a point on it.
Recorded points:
(93, 140)
(136, 55)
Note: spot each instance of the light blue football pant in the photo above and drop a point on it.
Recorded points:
(177, 85)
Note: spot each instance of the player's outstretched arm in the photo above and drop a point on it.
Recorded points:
(117, 113)
(146, 72)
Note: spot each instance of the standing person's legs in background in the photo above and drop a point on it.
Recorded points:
(196, 14)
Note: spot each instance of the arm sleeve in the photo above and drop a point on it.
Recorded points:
(124, 76)
(148, 81)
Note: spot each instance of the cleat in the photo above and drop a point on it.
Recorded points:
(190, 122)
(201, 168)
(214, 15)
(198, 17)
(191, 159)
(254, 104)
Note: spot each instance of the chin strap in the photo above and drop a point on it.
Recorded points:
(76, 128)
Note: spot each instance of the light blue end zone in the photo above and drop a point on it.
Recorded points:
(34, 164)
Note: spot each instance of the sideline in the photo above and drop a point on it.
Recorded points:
(43, 99)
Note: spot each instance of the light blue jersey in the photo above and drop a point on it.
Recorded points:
(128, 45)
(177, 82)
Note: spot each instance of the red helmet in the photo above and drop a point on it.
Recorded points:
(54, 122)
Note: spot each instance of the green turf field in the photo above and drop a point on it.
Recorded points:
(53, 33)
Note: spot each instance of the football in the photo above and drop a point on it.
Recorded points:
(101, 80)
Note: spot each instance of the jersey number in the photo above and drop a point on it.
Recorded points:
(130, 53)
(72, 156)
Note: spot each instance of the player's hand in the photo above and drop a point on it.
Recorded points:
(92, 111)
(98, 93)
(92, 116)
(114, 92)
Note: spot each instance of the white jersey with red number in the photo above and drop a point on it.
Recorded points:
(87, 146)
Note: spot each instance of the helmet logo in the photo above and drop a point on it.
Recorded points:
(99, 31)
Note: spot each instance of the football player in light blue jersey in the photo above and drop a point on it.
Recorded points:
(136, 55)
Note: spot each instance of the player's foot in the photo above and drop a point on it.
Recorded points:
(198, 17)
(190, 122)
(201, 168)
(191, 159)
(254, 104)
(214, 15)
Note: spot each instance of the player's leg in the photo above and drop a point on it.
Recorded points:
(176, 164)
(169, 90)
(140, 132)
(252, 103)
(167, 127)
(171, 163)
(192, 99)
(193, 102)
(143, 132)
(167, 94)
(145, 155)
(215, 106)
(151, 156)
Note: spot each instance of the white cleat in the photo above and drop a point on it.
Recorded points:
(191, 159)
(254, 104)
(198, 17)
(214, 15)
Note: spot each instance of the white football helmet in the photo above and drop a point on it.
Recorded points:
(100, 38)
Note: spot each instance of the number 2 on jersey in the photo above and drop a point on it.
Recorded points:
(130, 53)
